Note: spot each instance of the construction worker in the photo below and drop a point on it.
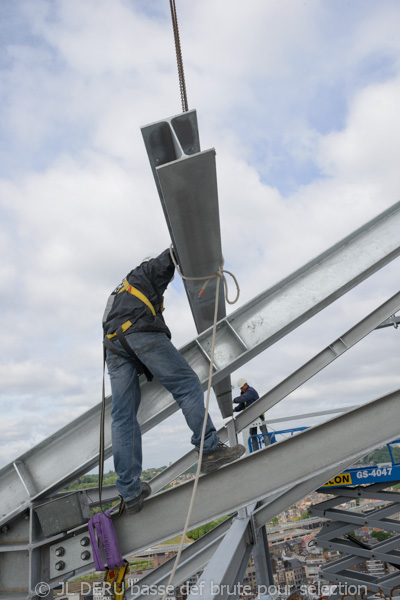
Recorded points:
(248, 395)
(137, 340)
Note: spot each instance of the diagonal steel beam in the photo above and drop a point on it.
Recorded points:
(193, 559)
(266, 473)
(223, 575)
(321, 360)
(241, 336)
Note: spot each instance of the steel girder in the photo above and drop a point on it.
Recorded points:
(223, 575)
(193, 559)
(321, 360)
(240, 337)
(33, 554)
(264, 474)
(269, 399)
(26, 473)
(186, 180)
(200, 552)
(393, 321)
(285, 481)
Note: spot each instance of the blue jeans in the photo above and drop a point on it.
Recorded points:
(167, 365)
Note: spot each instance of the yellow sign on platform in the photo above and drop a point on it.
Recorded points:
(342, 479)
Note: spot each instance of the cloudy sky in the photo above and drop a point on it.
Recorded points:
(301, 101)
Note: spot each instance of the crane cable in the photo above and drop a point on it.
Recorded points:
(219, 274)
(181, 75)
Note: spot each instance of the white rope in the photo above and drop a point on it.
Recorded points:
(219, 275)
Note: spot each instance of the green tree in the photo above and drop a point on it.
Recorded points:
(381, 455)
(197, 533)
(381, 535)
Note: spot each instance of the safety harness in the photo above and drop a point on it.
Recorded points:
(127, 287)
(120, 332)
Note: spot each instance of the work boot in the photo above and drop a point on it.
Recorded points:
(221, 455)
(136, 505)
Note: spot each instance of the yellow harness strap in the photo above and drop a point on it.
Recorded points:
(127, 287)
(135, 292)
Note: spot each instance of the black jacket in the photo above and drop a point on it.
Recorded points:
(152, 279)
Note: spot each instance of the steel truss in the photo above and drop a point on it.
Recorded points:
(350, 569)
(42, 541)
(28, 555)
(240, 337)
(219, 493)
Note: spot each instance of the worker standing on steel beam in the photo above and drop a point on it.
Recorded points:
(248, 395)
(137, 340)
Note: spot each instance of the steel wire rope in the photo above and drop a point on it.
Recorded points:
(178, 50)
(219, 275)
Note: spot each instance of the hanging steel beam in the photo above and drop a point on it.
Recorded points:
(186, 180)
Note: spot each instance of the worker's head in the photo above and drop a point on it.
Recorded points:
(242, 383)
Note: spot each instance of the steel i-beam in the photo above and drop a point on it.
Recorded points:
(261, 474)
(224, 573)
(321, 360)
(186, 180)
(241, 336)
